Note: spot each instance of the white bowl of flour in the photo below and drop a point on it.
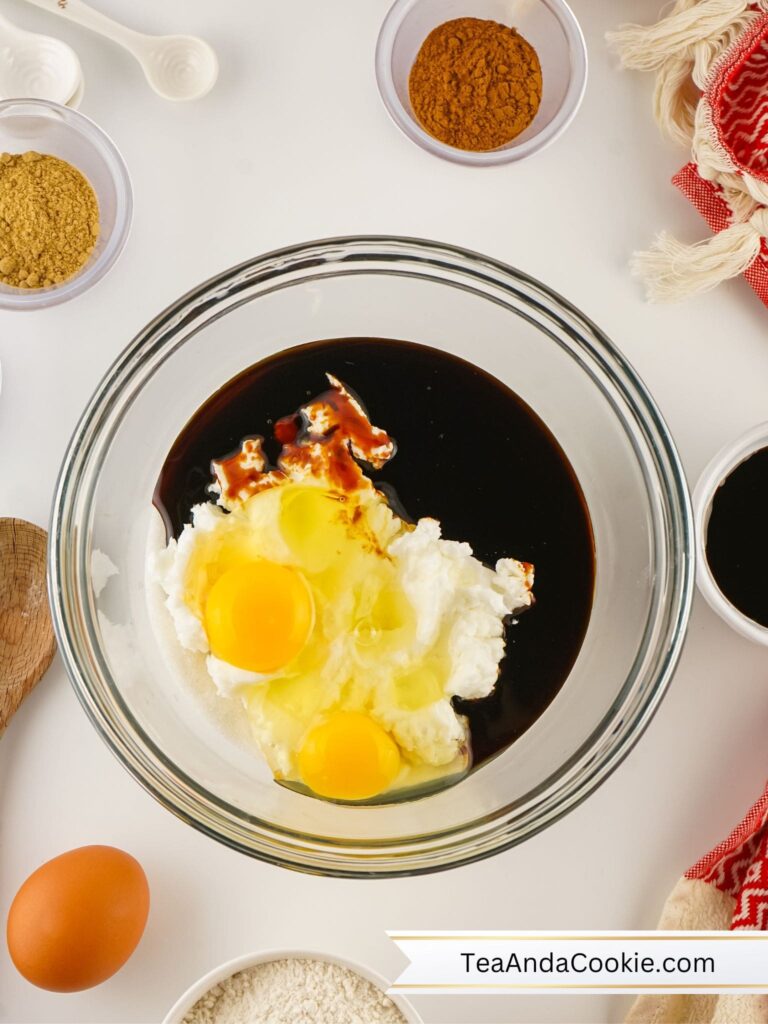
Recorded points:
(291, 987)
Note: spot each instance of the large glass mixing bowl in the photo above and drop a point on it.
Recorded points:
(506, 323)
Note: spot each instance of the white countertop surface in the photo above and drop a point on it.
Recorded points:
(293, 144)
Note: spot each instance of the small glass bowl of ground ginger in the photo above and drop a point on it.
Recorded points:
(65, 204)
(481, 82)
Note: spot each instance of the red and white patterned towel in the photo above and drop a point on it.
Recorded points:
(711, 60)
(737, 94)
(711, 201)
(738, 867)
(726, 890)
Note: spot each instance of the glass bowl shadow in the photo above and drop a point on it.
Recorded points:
(511, 326)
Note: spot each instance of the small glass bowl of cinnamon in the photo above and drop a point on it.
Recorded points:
(547, 27)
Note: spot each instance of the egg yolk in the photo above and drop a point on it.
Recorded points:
(259, 616)
(349, 757)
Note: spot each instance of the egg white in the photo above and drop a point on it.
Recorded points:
(457, 611)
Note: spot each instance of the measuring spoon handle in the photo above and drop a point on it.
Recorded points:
(82, 14)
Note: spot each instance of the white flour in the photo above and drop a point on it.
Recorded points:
(295, 992)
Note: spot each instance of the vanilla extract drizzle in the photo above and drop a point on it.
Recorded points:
(471, 454)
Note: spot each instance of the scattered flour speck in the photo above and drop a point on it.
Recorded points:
(295, 992)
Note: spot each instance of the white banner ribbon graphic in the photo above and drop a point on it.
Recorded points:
(548, 962)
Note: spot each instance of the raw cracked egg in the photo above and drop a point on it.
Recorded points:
(259, 615)
(344, 630)
(78, 918)
(349, 757)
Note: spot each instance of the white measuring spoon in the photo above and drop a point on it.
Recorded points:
(177, 67)
(33, 66)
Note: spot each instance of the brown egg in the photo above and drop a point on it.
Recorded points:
(78, 918)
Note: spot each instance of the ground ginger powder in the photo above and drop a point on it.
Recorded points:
(49, 220)
(475, 84)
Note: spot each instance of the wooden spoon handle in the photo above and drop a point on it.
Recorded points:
(27, 642)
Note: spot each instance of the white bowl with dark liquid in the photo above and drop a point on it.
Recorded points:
(722, 465)
(508, 325)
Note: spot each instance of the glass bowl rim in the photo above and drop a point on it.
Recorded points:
(410, 127)
(23, 300)
(597, 756)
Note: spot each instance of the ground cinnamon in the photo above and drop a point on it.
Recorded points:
(475, 84)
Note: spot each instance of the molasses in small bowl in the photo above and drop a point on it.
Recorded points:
(730, 502)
